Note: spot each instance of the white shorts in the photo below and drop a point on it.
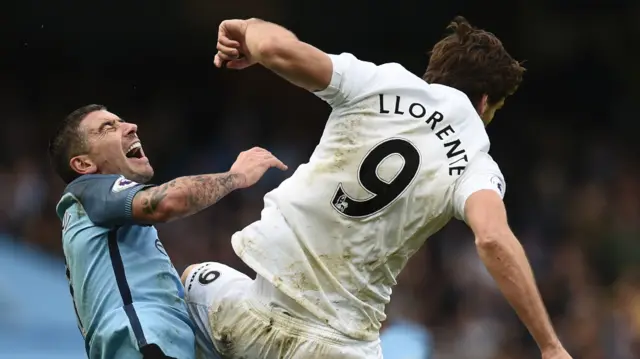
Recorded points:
(245, 318)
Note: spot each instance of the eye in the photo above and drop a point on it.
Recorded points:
(111, 125)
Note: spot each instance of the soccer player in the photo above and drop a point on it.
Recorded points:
(399, 157)
(127, 295)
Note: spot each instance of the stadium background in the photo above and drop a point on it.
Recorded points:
(566, 143)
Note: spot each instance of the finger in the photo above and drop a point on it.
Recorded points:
(230, 26)
(225, 29)
(281, 166)
(238, 64)
(224, 40)
(225, 57)
(229, 51)
(217, 61)
(275, 162)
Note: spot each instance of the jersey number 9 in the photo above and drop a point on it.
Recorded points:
(383, 193)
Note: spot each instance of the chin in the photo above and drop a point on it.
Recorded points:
(142, 175)
(146, 176)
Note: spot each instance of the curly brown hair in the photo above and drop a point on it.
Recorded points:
(475, 62)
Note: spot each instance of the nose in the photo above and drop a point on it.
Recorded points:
(130, 129)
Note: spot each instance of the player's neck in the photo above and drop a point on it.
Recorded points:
(482, 107)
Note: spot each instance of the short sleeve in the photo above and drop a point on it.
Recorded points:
(482, 174)
(107, 199)
(349, 79)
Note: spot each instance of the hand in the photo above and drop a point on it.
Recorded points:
(557, 353)
(252, 164)
(232, 51)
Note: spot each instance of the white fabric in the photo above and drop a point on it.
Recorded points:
(332, 254)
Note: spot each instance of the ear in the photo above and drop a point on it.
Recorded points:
(83, 165)
(482, 106)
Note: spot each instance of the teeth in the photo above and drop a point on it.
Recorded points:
(134, 146)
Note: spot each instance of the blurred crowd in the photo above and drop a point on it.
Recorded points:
(565, 143)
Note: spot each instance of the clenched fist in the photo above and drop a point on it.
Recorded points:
(233, 52)
(252, 164)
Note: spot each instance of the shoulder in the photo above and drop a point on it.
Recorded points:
(397, 69)
(82, 187)
(392, 75)
(483, 173)
(113, 182)
(107, 199)
(483, 168)
(457, 106)
(349, 67)
(483, 161)
(90, 186)
(454, 97)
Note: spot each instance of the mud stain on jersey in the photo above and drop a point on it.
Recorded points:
(223, 342)
(287, 347)
(301, 282)
(247, 243)
(226, 345)
(348, 134)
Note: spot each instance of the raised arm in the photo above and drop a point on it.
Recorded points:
(334, 78)
(277, 49)
(185, 196)
(112, 200)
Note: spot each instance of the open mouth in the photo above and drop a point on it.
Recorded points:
(135, 151)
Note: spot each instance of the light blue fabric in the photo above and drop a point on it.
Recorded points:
(126, 291)
(406, 340)
(37, 320)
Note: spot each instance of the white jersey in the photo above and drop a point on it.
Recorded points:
(397, 160)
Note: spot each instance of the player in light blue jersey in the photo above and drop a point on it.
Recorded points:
(128, 297)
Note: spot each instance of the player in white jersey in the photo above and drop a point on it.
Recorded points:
(399, 157)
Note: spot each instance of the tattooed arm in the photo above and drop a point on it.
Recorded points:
(188, 195)
(183, 196)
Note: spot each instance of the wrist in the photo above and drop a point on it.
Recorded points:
(553, 346)
(238, 180)
(258, 39)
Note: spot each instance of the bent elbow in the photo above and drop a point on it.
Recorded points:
(487, 242)
(162, 216)
(493, 239)
(166, 211)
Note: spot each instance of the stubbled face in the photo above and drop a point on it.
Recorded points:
(113, 148)
(490, 110)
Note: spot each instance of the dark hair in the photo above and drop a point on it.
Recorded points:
(475, 62)
(68, 142)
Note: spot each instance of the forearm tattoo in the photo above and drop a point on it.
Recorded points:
(191, 194)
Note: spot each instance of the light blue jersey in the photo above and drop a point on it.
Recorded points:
(126, 292)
